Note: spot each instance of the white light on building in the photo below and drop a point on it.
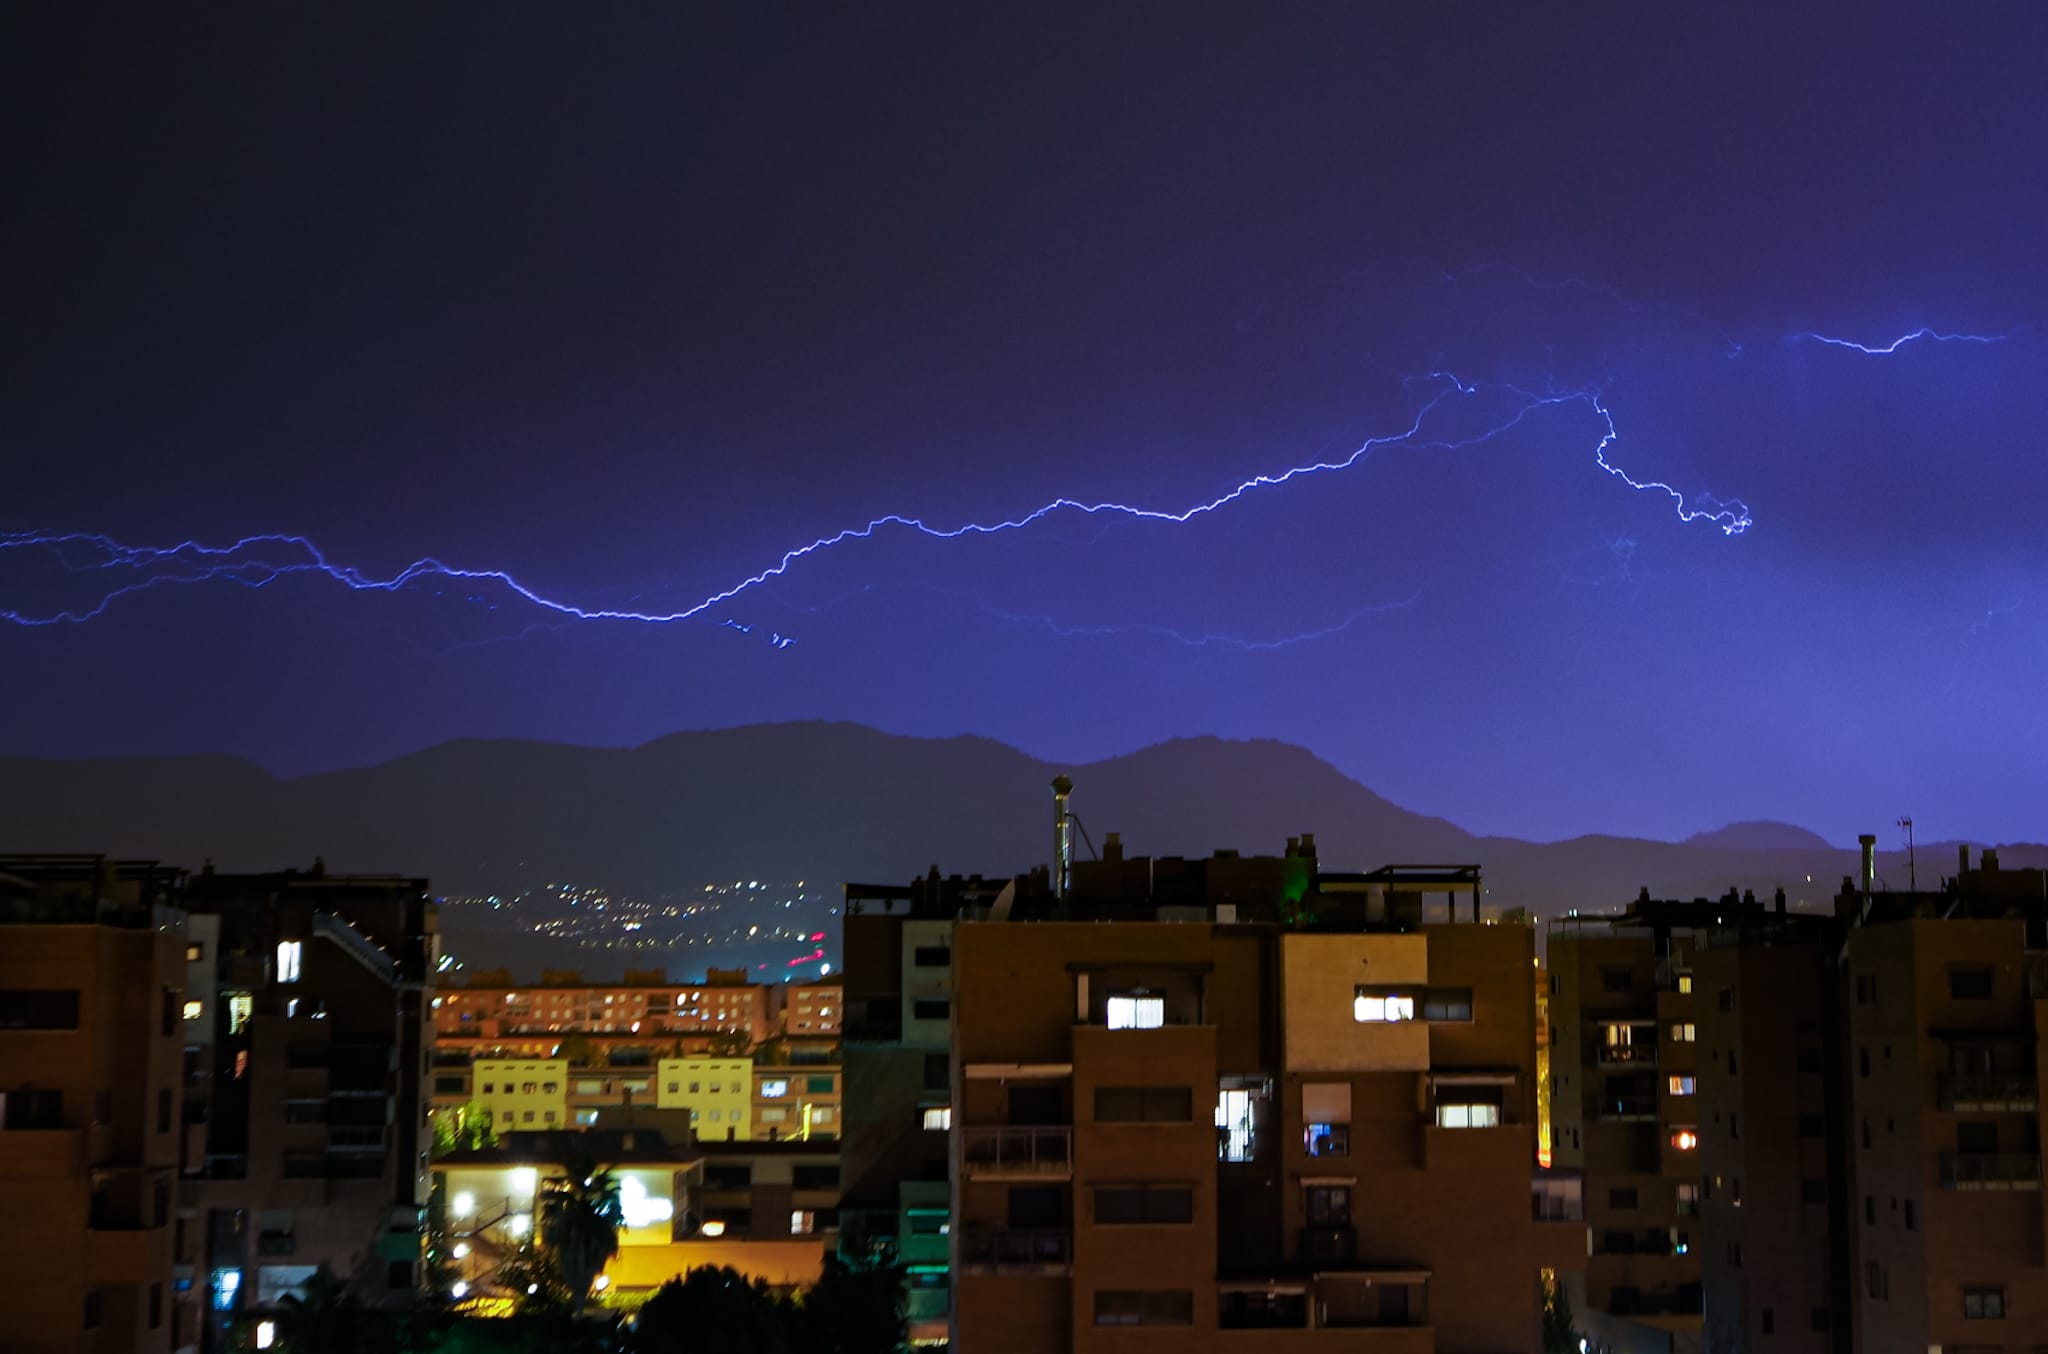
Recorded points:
(465, 1205)
(266, 1334)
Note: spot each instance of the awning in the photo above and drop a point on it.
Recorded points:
(1016, 1071)
(1475, 1077)
(1388, 1276)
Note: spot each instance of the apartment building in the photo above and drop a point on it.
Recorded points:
(1946, 997)
(1625, 1116)
(306, 1078)
(644, 1015)
(92, 958)
(796, 1101)
(813, 1010)
(769, 1210)
(1774, 1167)
(528, 1095)
(717, 1094)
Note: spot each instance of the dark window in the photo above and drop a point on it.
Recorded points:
(820, 1085)
(38, 1008)
(932, 956)
(1617, 980)
(31, 1109)
(1144, 1203)
(1144, 1104)
(168, 1011)
(103, 1107)
(1984, 1304)
(938, 1074)
(1911, 1224)
(815, 1177)
(1809, 1060)
(1734, 1125)
(928, 1008)
(1768, 1321)
(93, 1309)
(1328, 1205)
(1977, 1139)
(1813, 1191)
(1866, 1135)
(160, 1205)
(447, 1085)
(156, 1305)
(1812, 1126)
(1875, 1283)
(1969, 984)
(1447, 1003)
(1735, 1255)
(1621, 1198)
(1870, 1210)
(1866, 990)
(1725, 1000)
(163, 1111)
(1165, 1307)
(1862, 1062)
(1731, 1062)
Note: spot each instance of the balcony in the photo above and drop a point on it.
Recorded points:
(1011, 1251)
(1628, 1055)
(1624, 1108)
(992, 1153)
(1990, 1171)
(1989, 1094)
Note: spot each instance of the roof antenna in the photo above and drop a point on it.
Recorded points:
(1912, 875)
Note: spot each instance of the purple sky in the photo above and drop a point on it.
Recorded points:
(628, 303)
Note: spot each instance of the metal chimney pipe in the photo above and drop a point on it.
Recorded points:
(1062, 838)
(1869, 843)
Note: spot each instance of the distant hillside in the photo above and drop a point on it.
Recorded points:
(1760, 836)
(834, 802)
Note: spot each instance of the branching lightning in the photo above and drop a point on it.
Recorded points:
(1926, 332)
(258, 561)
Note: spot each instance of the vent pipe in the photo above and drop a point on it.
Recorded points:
(1062, 838)
(1868, 841)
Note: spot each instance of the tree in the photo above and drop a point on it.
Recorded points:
(713, 1308)
(729, 1044)
(859, 1305)
(463, 1128)
(580, 1221)
(1559, 1337)
(324, 1317)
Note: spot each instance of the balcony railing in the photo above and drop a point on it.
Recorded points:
(1988, 1093)
(1017, 1151)
(1017, 1250)
(1628, 1055)
(1988, 1170)
(1628, 1107)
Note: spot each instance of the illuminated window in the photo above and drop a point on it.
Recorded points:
(774, 1090)
(802, 1222)
(288, 955)
(1682, 1034)
(1685, 1139)
(1682, 1085)
(1326, 1118)
(194, 952)
(194, 1009)
(939, 1118)
(1371, 1007)
(240, 1007)
(1136, 1012)
(1467, 1116)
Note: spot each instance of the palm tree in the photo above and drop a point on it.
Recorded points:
(580, 1217)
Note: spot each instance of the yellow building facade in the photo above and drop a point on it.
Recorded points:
(716, 1091)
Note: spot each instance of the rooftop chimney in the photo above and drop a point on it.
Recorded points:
(1063, 838)
(1990, 865)
(1869, 843)
(1962, 859)
(1781, 902)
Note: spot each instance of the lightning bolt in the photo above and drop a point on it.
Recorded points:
(1926, 332)
(258, 561)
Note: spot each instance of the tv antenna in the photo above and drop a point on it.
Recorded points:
(1912, 875)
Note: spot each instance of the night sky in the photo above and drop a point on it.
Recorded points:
(628, 301)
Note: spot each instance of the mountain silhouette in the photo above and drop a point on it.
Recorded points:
(832, 802)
